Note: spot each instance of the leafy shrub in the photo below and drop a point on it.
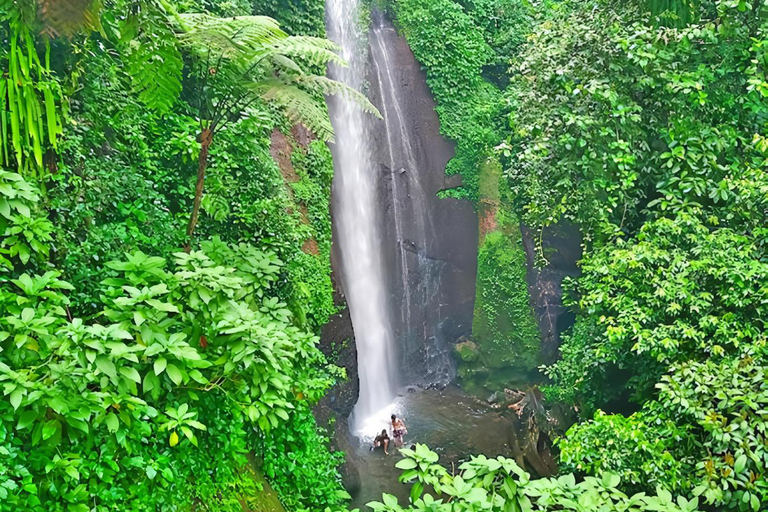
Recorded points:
(679, 291)
(643, 452)
(499, 484)
(98, 406)
(300, 467)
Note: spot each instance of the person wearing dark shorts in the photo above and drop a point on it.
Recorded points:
(398, 430)
(381, 440)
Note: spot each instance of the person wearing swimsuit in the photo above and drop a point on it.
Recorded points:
(398, 430)
(382, 440)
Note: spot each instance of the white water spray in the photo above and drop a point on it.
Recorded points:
(357, 225)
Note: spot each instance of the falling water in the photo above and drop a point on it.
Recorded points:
(357, 223)
(420, 272)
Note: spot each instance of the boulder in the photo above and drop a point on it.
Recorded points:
(467, 351)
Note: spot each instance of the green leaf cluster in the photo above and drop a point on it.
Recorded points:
(499, 484)
(644, 124)
(169, 349)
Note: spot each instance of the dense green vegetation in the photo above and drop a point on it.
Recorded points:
(165, 248)
(643, 123)
(136, 374)
(501, 485)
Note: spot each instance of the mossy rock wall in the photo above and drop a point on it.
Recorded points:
(505, 335)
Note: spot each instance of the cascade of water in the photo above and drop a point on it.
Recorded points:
(419, 272)
(356, 223)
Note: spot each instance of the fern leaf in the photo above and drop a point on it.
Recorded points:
(241, 36)
(326, 86)
(299, 106)
(309, 50)
(155, 63)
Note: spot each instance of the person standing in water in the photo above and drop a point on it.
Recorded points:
(398, 430)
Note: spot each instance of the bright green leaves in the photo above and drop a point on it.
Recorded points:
(31, 108)
(159, 365)
(162, 341)
(680, 308)
(181, 419)
(499, 484)
(686, 291)
(106, 366)
(112, 422)
(246, 59)
(174, 374)
(727, 400)
(153, 57)
(16, 396)
(23, 235)
(300, 466)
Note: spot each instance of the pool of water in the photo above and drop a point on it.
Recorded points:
(451, 423)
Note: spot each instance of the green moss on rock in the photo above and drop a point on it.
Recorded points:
(504, 331)
(467, 351)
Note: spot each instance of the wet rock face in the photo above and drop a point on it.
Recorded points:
(430, 244)
(337, 342)
(561, 247)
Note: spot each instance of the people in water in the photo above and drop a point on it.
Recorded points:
(381, 440)
(398, 430)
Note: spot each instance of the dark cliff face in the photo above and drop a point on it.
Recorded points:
(561, 247)
(430, 244)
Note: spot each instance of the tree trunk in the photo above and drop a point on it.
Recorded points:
(206, 136)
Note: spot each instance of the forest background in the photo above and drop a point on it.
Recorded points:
(163, 282)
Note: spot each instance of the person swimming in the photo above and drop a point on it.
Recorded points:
(398, 430)
(381, 440)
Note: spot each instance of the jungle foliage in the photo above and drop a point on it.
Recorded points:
(500, 485)
(644, 123)
(134, 374)
(144, 368)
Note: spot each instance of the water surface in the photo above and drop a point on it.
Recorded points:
(451, 423)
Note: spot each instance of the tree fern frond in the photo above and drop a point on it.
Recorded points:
(154, 61)
(252, 52)
(299, 106)
(308, 49)
(245, 35)
(287, 64)
(317, 42)
(326, 86)
(155, 70)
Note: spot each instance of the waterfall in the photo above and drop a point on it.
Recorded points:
(401, 151)
(357, 223)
